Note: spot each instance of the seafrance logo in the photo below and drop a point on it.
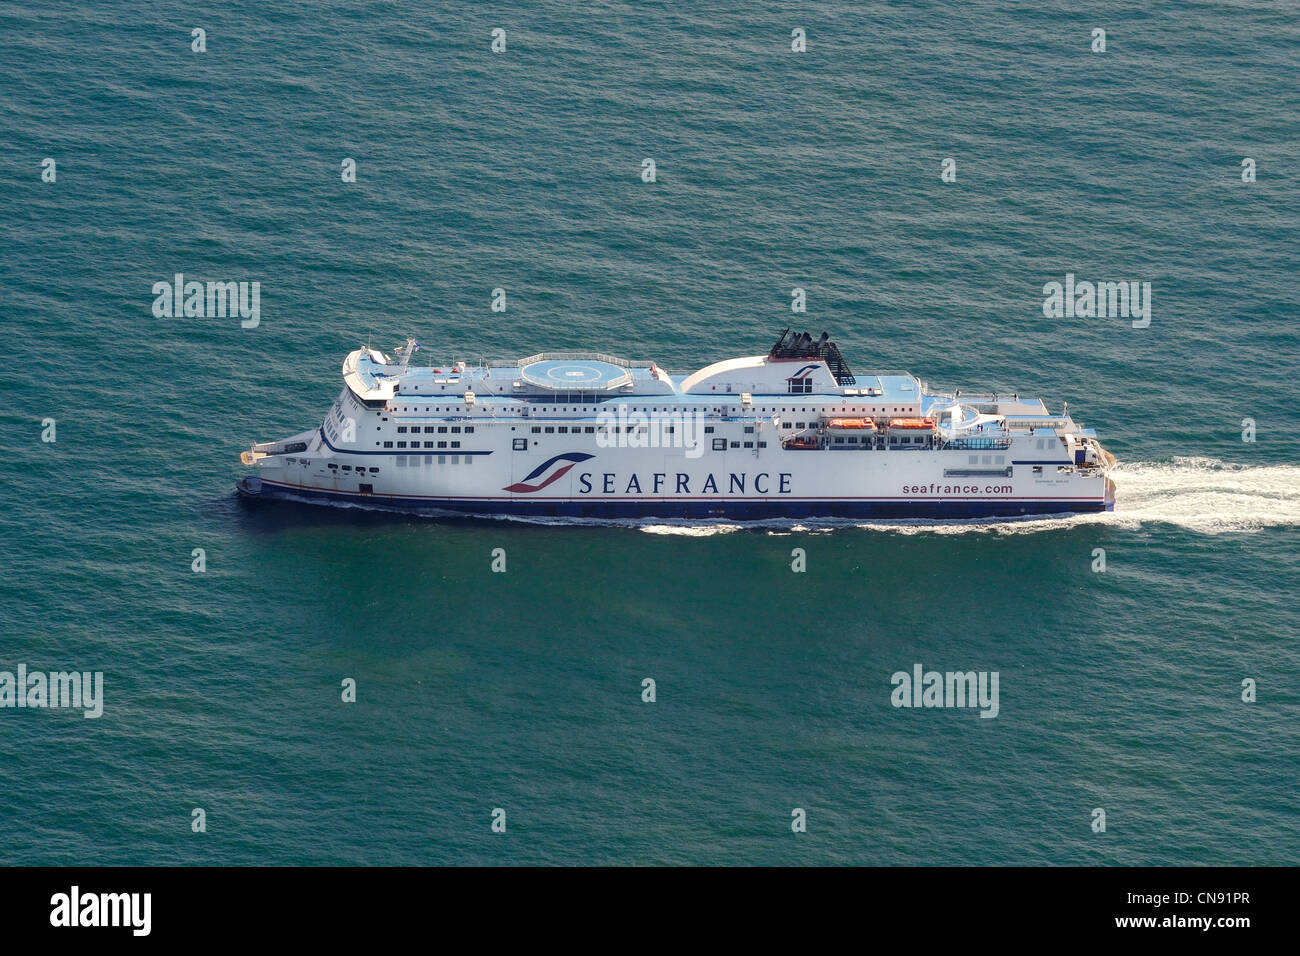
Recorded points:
(554, 469)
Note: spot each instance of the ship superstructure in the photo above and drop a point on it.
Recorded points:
(790, 433)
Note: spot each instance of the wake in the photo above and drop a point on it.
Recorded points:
(1208, 495)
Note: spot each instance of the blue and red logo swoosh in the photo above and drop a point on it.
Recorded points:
(801, 373)
(557, 467)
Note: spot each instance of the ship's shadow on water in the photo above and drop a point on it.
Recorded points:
(273, 515)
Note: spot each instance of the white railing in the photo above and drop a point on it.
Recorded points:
(569, 357)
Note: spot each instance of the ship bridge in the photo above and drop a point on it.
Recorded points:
(366, 373)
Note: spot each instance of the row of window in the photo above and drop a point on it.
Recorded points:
(720, 444)
(403, 461)
(359, 469)
(830, 408)
(413, 461)
(416, 444)
(567, 429)
(614, 429)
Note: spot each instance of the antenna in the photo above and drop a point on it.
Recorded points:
(407, 351)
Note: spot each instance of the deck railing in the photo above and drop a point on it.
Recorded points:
(568, 357)
(977, 444)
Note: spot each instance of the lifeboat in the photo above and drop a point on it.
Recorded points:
(803, 443)
(912, 424)
(857, 424)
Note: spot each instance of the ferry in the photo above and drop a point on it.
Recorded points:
(792, 433)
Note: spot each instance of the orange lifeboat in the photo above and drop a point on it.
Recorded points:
(860, 424)
(912, 424)
(807, 443)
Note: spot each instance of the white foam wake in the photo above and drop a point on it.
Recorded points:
(1208, 495)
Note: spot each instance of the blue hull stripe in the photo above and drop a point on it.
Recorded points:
(696, 508)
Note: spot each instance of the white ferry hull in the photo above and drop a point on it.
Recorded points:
(588, 481)
(497, 442)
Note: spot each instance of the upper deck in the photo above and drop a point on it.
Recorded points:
(581, 384)
(593, 377)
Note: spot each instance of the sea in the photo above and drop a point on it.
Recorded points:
(293, 684)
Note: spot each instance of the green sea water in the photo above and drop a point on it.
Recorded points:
(1120, 689)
